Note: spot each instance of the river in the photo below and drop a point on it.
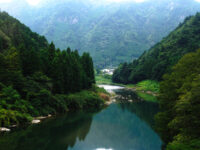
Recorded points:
(123, 125)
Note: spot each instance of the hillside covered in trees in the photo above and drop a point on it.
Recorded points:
(38, 79)
(178, 123)
(161, 57)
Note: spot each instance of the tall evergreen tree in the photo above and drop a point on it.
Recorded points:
(88, 68)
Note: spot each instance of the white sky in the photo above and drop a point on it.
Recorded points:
(5, 1)
(31, 2)
(36, 2)
(138, 1)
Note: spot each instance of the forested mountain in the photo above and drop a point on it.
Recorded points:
(161, 57)
(111, 32)
(13, 33)
(35, 77)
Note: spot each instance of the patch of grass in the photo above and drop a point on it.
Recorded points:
(147, 89)
(106, 79)
(100, 79)
(147, 97)
(149, 85)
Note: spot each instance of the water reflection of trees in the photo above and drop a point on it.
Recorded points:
(144, 110)
(60, 133)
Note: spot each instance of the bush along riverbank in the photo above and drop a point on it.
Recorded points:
(15, 111)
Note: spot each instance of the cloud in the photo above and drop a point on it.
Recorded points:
(36, 2)
(33, 2)
(5, 1)
(119, 1)
(197, 1)
(30, 2)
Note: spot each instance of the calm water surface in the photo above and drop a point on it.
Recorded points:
(120, 126)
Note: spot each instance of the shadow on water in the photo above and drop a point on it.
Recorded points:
(52, 134)
(144, 110)
(121, 126)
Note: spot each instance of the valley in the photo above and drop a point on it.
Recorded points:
(100, 75)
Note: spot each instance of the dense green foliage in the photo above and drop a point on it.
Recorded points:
(35, 77)
(178, 123)
(160, 58)
(112, 32)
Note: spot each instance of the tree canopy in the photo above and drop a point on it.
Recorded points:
(178, 123)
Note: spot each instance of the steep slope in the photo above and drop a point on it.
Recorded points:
(111, 32)
(13, 33)
(160, 58)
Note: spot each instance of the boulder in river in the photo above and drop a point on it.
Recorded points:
(35, 121)
(2, 129)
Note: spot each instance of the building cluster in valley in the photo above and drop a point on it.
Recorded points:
(108, 71)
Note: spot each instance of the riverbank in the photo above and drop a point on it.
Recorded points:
(147, 89)
(110, 89)
(86, 100)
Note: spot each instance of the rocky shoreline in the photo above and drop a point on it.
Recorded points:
(36, 120)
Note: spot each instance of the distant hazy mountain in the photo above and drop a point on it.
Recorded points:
(111, 32)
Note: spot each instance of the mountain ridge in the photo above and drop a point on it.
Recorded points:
(161, 57)
(112, 33)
